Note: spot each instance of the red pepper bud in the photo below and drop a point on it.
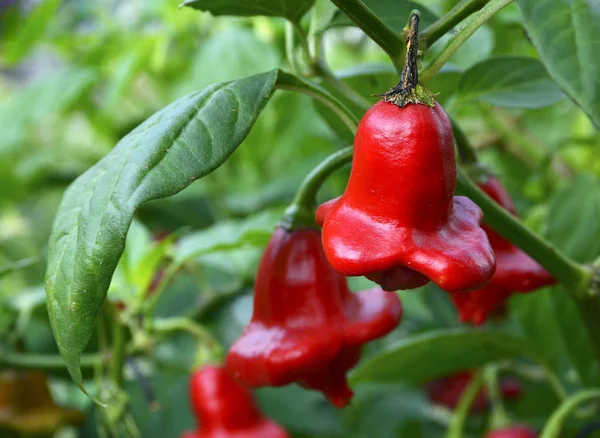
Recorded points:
(398, 222)
(227, 410)
(307, 327)
(448, 390)
(515, 270)
(516, 431)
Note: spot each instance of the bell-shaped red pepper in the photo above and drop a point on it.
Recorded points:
(225, 409)
(516, 431)
(398, 221)
(307, 327)
(515, 270)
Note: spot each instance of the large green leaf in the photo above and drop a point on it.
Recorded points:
(181, 143)
(430, 355)
(511, 81)
(290, 9)
(567, 37)
(394, 13)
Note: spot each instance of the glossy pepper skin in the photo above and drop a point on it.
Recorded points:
(307, 327)
(448, 390)
(515, 270)
(398, 221)
(516, 431)
(225, 409)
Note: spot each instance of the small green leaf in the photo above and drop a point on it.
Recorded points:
(555, 424)
(566, 35)
(181, 143)
(31, 32)
(394, 13)
(51, 95)
(228, 235)
(511, 81)
(291, 9)
(430, 355)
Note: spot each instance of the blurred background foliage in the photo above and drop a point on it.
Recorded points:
(76, 76)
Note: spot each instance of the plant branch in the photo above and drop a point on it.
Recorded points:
(511, 228)
(44, 362)
(384, 36)
(300, 212)
(453, 17)
(329, 77)
(466, 152)
(554, 425)
(290, 82)
(457, 423)
(117, 362)
(461, 35)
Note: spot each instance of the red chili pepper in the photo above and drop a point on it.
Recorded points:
(515, 270)
(516, 431)
(448, 390)
(225, 409)
(307, 327)
(398, 222)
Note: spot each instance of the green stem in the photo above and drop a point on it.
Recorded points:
(293, 83)
(466, 152)
(508, 226)
(300, 212)
(528, 151)
(384, 36)
(303, 42)
(118, 353)
(290, 48)
(576, 279)
(453, 17)
(499, 417)
(328, 76)
(44, 362)
(202, 335)
(554, 425)
(459, 417)
(461, 35)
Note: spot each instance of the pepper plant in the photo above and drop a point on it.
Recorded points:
(212, 250)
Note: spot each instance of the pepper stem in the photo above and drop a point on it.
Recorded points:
(408, 89)
(300, 214)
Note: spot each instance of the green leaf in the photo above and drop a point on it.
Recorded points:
(573, 214)
(536, 316)
(555, 423)
(566, 35)
(228, 235)
(511, 81)
(394, 13)
(181, 143)
(291, 9)
(31, 32)
(437, 353)
(238, 53)
(51, 95)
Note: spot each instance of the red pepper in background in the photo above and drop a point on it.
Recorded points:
(225, 409)
(448, 390)
(515, 270)
(517, 431)
(398, 223)
(307, 327)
